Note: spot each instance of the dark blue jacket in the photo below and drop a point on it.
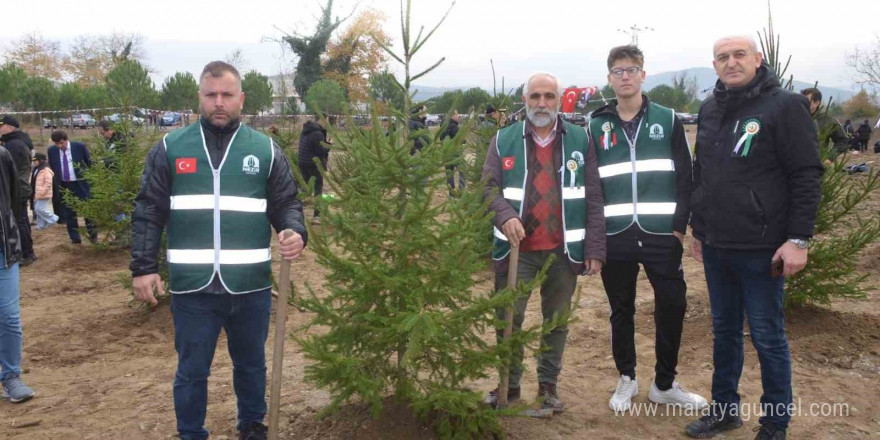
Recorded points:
(81, 160)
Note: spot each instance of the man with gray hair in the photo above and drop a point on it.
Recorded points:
(543, 183)
(757, 176)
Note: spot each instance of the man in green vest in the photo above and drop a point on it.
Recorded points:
(645, 168)
(545, 192)
(217, 186)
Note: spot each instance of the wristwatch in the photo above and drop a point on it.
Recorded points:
(800, 243)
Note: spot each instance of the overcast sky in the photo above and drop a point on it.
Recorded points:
(568, 37)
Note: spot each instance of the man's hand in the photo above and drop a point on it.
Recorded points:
(291, 247)
(514, 231)
(144, 285)
(593, 266)
(679, 236)
(696, 249)
(795, 258)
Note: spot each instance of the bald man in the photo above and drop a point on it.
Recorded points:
(757, 175)
(543, 182)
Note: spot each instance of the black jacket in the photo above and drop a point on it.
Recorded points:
(681, 157)
(20, 145)
(311, 144)
(451, 130)
(864, 131)
(418, 132)
(152, 204)
(10, 209)
(759, 200)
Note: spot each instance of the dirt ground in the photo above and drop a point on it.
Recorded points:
(103, 369)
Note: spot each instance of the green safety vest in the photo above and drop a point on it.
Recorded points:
(511, 144)
(638, 176)
(218, 223)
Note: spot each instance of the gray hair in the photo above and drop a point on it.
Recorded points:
(541, 74)
(747, 38)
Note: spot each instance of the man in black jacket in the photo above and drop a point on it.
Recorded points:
(13, 387)
(20, 148)
(757, 175)
(451, 132)
(839, 139)
(218, 241)
(311, 146)
(864, 135)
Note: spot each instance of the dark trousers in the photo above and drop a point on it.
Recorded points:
(309, 170)
(72, 217)
(198, 318)
(24, 230)
(556, 293)
(740, 285)
(661, 258)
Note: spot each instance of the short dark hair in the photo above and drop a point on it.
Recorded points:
(105, 125)
(58, 136)
(623, 52)
(813, 93)
(217, 68)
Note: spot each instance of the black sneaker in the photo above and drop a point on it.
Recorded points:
(550, 398)
(769, 431)
(713, 424)
(491, 398)
(254, 431)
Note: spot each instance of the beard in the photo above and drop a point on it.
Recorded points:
(541, 117)
(230, 115)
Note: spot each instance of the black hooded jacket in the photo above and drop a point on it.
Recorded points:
(20, 146)
(310, 144)
(761, 199)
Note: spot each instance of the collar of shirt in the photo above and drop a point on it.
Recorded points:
(544, 141)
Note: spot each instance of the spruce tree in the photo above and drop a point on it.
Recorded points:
(401, 313)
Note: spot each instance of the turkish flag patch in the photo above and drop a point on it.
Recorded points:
(508, 162)
(185, 165)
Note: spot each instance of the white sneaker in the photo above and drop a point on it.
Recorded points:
(626, 389)
(677, 396)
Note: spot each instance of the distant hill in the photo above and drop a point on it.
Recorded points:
(706, 79)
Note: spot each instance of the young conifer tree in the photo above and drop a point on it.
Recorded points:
(401, 314)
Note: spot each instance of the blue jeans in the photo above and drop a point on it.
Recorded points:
(740, 283)
(198, 319)
(10, 321)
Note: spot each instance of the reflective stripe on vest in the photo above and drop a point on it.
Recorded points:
(641, 167)
(227, 203)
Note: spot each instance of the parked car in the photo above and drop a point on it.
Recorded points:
(687, 118)
(575, 118)
(117, 117)
(169, 119)
(82, 120)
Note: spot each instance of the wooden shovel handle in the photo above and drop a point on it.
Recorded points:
(508, 327)
(278, 350)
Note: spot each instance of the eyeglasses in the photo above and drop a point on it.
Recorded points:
(631, 71)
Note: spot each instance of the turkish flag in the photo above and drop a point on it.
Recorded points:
(507, 163)
(569, 98)
(185, 165)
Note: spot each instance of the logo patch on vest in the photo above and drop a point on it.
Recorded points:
(508, 162)
(185, 165)
(251, 165)
(656, 132)
(579, 157)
